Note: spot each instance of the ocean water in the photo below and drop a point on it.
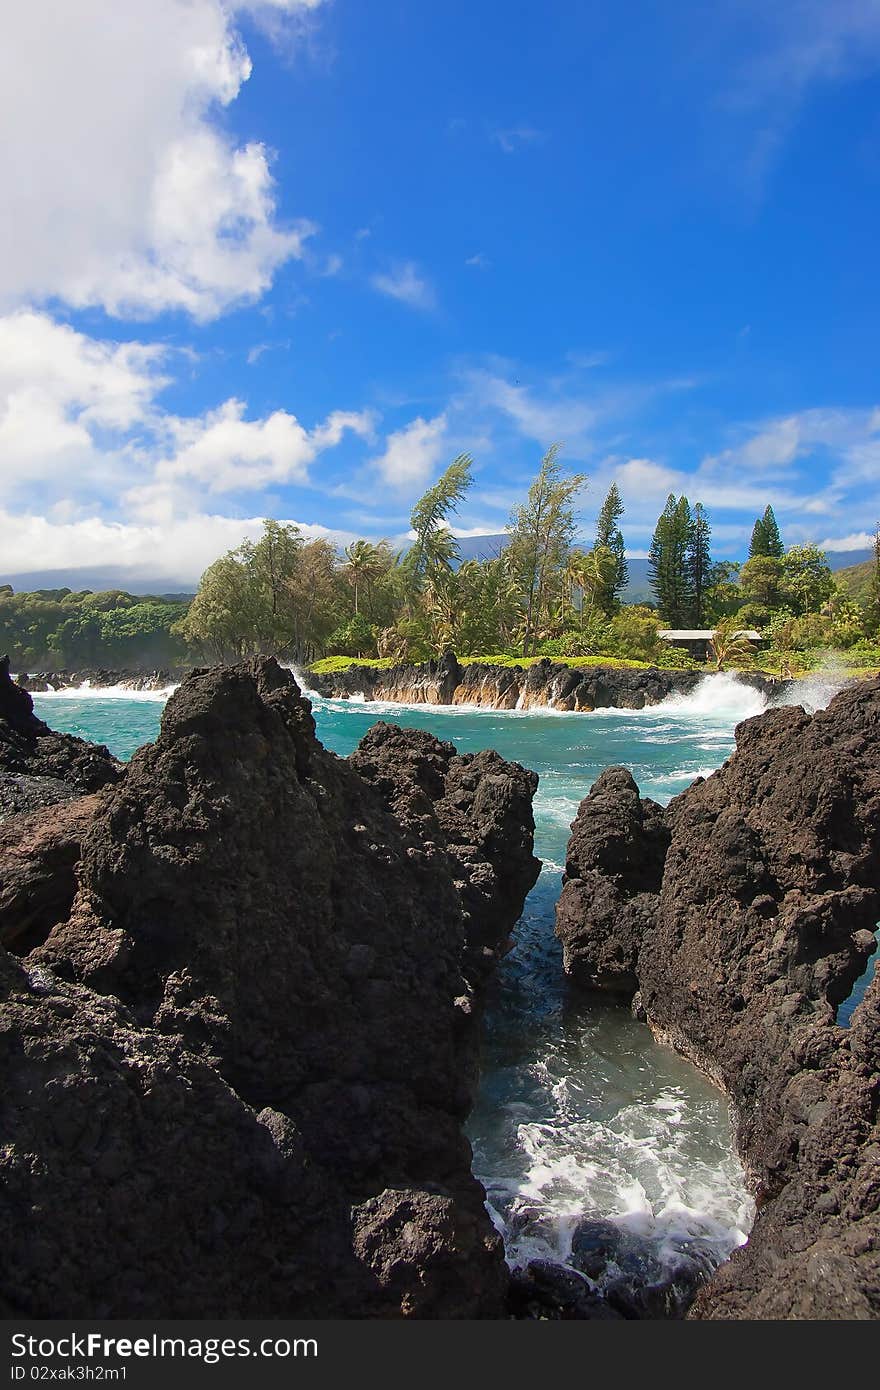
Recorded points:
(580, 1116)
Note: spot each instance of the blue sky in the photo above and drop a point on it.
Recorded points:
(289, 257)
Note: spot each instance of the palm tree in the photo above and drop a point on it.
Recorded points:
(365, 563)
(729, 645)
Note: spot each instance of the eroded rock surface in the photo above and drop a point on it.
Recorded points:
(762, 923)
(475, 806)
(613, 868)
(30, 749)
(546, 683)
(283, 952)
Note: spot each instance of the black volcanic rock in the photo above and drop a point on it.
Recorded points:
(255, 914)
(475, 806)
(546, 683)
(764, 920)
(613, 868)
(29, 748)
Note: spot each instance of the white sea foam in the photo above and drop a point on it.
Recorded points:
(88, 691)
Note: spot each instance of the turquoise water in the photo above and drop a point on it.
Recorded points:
(580, 1113)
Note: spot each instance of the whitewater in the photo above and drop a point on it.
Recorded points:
(581, 1115)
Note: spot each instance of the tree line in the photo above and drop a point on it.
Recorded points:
(541, 595)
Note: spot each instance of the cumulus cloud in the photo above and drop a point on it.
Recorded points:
(858, 540)
(80, 419)
(407, 284)
(60, 391)
(122, 188)
(412, 453)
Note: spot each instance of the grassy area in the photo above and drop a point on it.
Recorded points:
(331, 665)
(578, 662)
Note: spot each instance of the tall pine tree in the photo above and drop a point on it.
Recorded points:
(766, 539)
(699, 564)
(609, 535)
(668, 562)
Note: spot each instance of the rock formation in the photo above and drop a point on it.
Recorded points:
(742, 949)
(544, 684)
(30, 749)
(613, 868)
(255, 1026)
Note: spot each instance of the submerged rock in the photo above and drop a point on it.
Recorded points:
(265, 965)
(742, 950)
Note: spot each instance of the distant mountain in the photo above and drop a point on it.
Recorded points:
(856, 579)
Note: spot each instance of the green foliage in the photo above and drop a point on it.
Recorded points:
(729, 647)
(668, 559)
(698, 564)
(434, 546)
(57, 628)
(278, 594)
(610, 538)
(330, 665)
(354, 638)
(541, 532)
(806, 581)
(766, 539)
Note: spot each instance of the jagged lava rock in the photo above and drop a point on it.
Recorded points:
(613, 868)
(762, 923)
(249, 895)
(475, 806)
(29, 748)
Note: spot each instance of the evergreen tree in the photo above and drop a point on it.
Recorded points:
(668, 562)
(766, 539)
(698, 564)
(610, 537)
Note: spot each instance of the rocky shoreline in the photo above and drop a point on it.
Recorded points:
(737, 920)
(240, 980)
(547, 684)
(238, 1037)
(40, 682)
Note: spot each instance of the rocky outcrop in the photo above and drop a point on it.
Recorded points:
(257, 1023)
(475, 806)
(613, 868)
(546, 684)
(30, 749)
(99, 677)
(758, 930)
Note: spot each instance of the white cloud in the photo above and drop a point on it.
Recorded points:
(223, 452)
(543, 418)
(59, 390)
(174, 552)
(122, 190)
(859, 540)
(406, 283)
(478, 262)
(80, 420)
(412, 453)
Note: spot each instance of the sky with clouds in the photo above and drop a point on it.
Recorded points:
(289, 257)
